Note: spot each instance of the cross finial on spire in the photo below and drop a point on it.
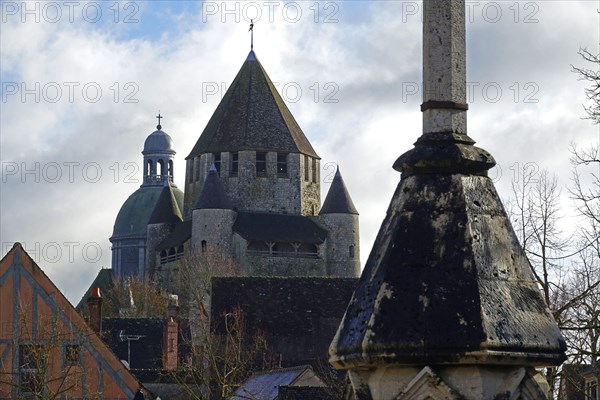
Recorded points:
(159, 117)
(251, 30)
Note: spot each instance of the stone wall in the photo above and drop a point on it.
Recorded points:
(342, 260)
(156, 233)
(215, 228)
(290, 193)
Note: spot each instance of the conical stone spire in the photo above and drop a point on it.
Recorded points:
(447, 305)
(212, 195)
(338, 200)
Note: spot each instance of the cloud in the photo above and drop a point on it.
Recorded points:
(367, 57)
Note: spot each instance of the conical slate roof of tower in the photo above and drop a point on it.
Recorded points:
(166, 209)
(212, 195)
(252, 116)
(338, 199)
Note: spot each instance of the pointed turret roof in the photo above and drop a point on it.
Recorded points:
(212, 194)
(252, 116)
(166, 210)
(338, 200)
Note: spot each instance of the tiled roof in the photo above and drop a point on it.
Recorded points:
(212, 194)
(104, 281)
(146, 351)
(298, 315)
(133, 217)
(278, 227)
(166, 209)
(252, 116)
(338, 200)
(181, 234)
(265, 385)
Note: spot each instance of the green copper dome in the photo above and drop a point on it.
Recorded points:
(135, 213)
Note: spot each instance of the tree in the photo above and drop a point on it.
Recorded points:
(566, 268)
(222, 358)
(223, 351)
(133, 297)
(535, 215)
(592, 93)
(190, 277)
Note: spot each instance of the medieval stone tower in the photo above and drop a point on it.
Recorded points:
(252, 193)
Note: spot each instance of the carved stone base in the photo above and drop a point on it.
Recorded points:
(449, 382)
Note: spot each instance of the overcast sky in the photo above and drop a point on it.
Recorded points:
(82, 83)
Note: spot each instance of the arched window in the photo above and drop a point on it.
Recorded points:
(149, 168)
(170, 170)
(163, 257)
(160, 166)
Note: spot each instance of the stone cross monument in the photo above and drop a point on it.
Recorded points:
(447, 306)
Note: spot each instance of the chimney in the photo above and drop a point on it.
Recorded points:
(170, 333)
(94, 303)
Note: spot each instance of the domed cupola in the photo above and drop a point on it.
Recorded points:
(158, 157)
(129, 238)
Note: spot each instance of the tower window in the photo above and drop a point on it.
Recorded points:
(203, 246)
(282, 169)
(233, 171)
(190, 171)
(160, 167)
(149, 168)
(261, 164)
(306, 167)
(351, 251)
(197, 168)
(170, 170)
(217, 161)
(314, 170)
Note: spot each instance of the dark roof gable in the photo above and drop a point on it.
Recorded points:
(252, 116)
(278, 228)
(181, 234)
(166, 209)
(338, 200)
(298, 315)
(212, 195)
